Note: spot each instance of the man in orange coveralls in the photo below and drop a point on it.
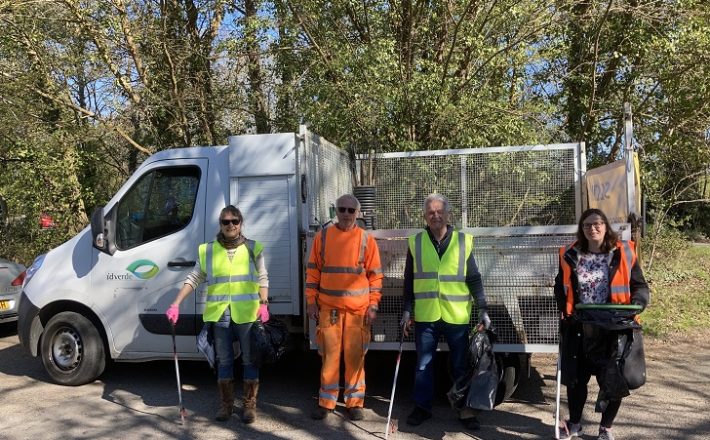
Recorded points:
(343, 290)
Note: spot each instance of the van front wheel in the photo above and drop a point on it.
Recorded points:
(72, 349)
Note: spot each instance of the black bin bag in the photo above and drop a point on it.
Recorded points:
(477, 388)
(268, 341)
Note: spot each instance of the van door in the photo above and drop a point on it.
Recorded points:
(269, 207)
(159, 226)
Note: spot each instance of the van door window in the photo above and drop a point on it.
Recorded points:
(160, 203)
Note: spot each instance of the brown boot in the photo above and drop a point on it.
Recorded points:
(226, 396)
(251, 389)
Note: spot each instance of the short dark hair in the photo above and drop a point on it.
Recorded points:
(232, 210)
(610, 237)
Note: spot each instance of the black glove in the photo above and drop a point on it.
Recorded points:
(484, 319)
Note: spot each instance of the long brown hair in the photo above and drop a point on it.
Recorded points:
(610, 237)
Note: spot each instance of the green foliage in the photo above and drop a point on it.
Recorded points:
(680, 297)
(669, 243)
(89, 88)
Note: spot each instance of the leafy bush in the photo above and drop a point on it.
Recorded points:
(679, 280)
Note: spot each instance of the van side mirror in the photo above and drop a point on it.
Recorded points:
(100, 237)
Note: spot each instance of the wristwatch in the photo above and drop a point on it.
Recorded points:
(263, 301)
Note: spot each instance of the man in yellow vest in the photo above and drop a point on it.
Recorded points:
(237, 294)
(441, 278)
(343, 290)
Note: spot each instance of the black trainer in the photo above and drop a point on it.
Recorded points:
(418, 416)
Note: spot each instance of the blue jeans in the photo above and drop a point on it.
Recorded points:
(225, 333)
(427, 339)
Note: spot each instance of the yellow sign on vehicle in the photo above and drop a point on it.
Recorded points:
(4, 305)
(607, 190)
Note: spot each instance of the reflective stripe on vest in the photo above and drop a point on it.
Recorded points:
(619, 284)
(567, 280)
(233, 284)
(440, 290)
(359, 269)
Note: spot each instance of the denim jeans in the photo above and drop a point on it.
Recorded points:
(225, 333)
(427, 339)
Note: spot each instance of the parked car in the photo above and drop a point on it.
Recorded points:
(11, 277)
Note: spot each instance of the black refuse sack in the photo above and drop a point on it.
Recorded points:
(633, 362)
(612, 341)
(477, 388)
(268, 341)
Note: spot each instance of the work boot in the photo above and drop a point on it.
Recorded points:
(418, 416)
(226, 397)
(251, 389)
(471, 423)
(320, 413)
(356, 413)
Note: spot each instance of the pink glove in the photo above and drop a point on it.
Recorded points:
(263, 313)
(173, 313)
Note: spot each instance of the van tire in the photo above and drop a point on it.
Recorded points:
(72, 349)
(509, 374)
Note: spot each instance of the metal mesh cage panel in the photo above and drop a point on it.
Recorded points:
(331, 175)
(518, 276)
(506, 186)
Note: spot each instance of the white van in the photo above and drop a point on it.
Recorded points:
(103, 293)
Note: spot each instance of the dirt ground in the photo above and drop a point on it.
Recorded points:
(139, 401)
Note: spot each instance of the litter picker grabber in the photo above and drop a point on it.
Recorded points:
(557, 395)
(183, 413)
(392, 425)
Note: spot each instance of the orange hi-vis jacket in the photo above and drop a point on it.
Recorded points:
(620, 277)
(344, 270)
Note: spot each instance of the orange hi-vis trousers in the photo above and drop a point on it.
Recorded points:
(348, 335)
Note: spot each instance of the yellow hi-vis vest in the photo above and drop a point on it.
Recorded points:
(233, 284)
(440, 290)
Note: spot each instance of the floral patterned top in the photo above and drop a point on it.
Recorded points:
(593, 276)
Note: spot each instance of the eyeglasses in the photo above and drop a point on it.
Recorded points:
(596, 225)
(234, 221)
(342, 209)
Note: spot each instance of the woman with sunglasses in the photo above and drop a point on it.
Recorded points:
(598, 268)
(237, 295)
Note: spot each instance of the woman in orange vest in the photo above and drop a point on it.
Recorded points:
(598, 268)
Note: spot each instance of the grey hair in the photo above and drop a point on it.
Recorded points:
(350, 197)
(436, 197)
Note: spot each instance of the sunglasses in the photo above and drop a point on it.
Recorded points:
(234, 221)
(342, 209)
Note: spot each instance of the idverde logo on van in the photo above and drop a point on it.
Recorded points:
(141, 269)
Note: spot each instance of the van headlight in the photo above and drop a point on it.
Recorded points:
(34, 267)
